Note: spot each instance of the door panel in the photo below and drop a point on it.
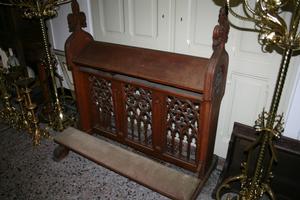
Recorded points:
(245, 88)
(113, 16)
(195, 21)
(142, 23)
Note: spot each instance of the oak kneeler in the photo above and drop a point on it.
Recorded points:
(163, 104)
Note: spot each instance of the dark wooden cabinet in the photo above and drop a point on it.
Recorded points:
(286, 181)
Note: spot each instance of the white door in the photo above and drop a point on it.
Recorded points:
(194, 22)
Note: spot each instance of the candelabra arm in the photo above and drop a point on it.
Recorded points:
(295, 24)
(60, 2)
(240, 16)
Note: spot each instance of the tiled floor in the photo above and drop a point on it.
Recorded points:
(28, 172)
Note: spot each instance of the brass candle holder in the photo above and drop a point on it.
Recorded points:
(22, 123)
(31, 122)
(273, 31)
(43, 10)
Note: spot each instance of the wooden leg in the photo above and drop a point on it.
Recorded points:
(60, 152)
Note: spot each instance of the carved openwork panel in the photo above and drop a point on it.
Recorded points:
(182, 128)
(139, 114)
(101, 96)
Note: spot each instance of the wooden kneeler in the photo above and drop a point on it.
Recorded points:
(160, 178)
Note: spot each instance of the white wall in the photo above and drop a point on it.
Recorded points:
(58, 27)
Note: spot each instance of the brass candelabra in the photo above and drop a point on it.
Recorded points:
(273, 31)
(43, 10)
(21, 114)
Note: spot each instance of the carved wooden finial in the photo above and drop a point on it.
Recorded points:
(76, 19)
(220, 33)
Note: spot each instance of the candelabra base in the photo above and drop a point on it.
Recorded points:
(40, 133)
(58, 121)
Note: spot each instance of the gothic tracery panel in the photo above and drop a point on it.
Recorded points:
(139, 114)
(101, 96)
(182, 128)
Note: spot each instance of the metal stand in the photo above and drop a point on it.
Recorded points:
(58, 120)
(272, 31)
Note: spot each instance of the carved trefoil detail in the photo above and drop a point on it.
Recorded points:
(182, 128)
(101, 95)
(139, 114)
